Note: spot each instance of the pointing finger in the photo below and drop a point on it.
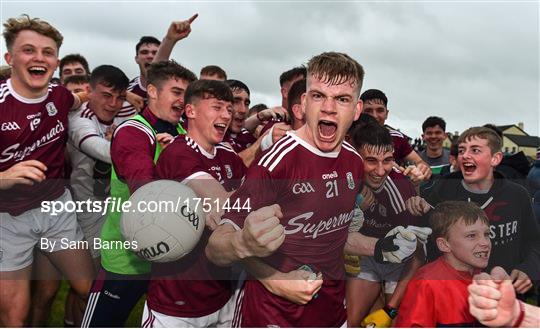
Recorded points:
(192, 18)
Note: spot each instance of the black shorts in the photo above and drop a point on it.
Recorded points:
(112, 297)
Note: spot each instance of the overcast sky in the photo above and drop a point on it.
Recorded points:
(469, 62)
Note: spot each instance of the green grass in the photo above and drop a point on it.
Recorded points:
(56, 318)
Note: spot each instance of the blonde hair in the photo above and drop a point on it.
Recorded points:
(335, 69)
(13, 26)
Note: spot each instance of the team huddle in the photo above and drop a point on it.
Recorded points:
(345, 224)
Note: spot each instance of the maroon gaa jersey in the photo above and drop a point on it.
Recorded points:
(402, 148)
(240, 141)
(33, 129)
(316, 193)
(136, 87)
(193, 286)
(388, 208)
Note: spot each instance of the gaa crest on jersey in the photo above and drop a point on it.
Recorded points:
(382, 210)
(228, 171)
(350, 181)
(51, 109)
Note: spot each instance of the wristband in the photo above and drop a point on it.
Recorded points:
(521, 315)
(267, 141)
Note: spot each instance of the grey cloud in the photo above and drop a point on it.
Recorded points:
(468, 62)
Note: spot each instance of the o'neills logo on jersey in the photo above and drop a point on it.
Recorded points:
(35, 120)
(301, 223)
(330, 175)
(18, 155)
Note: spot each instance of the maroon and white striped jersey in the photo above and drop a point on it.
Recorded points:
(316, 192)
(86, 144)
(240, 141)
(193, 286)
(402, 148)
(33, 129)
(388, 209)
(136, 87)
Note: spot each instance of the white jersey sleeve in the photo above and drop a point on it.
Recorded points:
(85, 134)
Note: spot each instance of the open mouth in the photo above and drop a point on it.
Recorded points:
(468, 168)
(178, 108)
(221, 127)
(327, 129)
(481, 254)
(37, 71)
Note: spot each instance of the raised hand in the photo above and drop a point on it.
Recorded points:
(181, 29)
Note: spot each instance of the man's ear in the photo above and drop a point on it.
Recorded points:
(190, 112)
(151, 91)
(7, 57)
(358, 109)
(443, 245)
(297, 112)
(283, 93)
(496, 159)
(303, 103)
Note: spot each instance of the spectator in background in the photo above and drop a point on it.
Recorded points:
(73, 64)
(213, 72)
(437, 294)
(513, 231)
(533, 180)
(77, 83)
(434, 134)
(286, 80)
(513, 166)
(375, 104)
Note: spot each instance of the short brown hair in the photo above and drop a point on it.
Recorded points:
(13, 26)
(336, 68)
(449, 213)
(159, 72)
(214, 70)
(493, 139)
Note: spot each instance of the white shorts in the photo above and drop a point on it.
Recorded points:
(20, 234)
(221, 318)
(91, 224)
(389, 273)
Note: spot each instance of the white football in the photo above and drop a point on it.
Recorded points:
(163, 223)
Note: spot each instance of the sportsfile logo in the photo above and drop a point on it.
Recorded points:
(8, 126)
(301, 188)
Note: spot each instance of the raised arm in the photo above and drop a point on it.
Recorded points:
(176, 32)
